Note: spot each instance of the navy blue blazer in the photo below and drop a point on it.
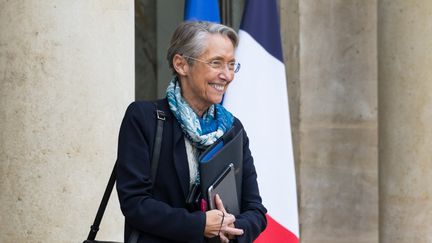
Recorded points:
(159, 211)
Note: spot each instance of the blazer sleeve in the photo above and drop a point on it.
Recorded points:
(134, 186)
(252, 218)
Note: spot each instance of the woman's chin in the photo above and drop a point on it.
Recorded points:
(217, 100)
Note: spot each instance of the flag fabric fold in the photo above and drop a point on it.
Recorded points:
(258, 96)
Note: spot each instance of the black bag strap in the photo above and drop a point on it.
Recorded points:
(95, 227)
(161, 117)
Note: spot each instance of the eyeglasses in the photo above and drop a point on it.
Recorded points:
(218, 64)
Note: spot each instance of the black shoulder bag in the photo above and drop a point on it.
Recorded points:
(160, 115)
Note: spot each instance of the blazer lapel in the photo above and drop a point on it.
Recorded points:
(180, 158)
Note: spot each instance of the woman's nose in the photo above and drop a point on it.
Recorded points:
(226, 74)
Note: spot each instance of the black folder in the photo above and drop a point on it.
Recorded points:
(211, 168)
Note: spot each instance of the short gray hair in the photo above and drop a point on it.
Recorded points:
(188, 39)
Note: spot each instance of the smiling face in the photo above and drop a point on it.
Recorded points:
(201, 84)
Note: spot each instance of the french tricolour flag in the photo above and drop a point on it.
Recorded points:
(258, 96)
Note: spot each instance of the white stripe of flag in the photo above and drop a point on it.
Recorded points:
(258, 97)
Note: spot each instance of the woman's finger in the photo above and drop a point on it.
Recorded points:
(229, 219)
(219, 203)
(223, 238)
(233, 231)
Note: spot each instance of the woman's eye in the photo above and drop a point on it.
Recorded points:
(216, 63)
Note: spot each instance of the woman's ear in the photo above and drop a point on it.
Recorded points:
(180, 65)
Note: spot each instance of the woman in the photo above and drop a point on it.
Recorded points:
(201, 56)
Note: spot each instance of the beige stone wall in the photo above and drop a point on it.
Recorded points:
(331, 54)
(66, 77)
(405, 104)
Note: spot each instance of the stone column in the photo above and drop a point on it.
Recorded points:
(405, 125)
(66, 78)
(290, 34)
(338, 121)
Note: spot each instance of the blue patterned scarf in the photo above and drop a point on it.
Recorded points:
(201, 131)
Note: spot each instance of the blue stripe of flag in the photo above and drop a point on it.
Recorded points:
(261, 21)
(207, 10)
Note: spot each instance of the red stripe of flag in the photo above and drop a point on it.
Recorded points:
(276, 233)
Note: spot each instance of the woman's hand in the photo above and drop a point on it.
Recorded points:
(227, 231)
(220, 223)
(214, 220)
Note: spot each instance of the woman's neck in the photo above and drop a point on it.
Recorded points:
(199, 109)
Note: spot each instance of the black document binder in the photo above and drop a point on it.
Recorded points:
(212, 168)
